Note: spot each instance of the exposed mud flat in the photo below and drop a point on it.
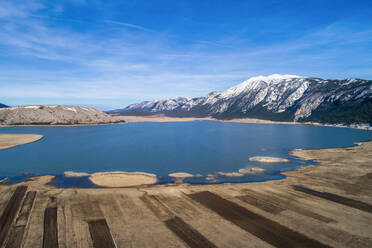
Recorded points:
(332, 210)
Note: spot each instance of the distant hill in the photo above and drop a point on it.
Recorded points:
(276, 97)
(54, 115)
(3, 106)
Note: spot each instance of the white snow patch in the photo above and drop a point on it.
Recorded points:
(273, 77)
(30, 107)
(88, 109)
(70, 108)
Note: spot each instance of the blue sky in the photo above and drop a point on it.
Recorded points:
(109, 54)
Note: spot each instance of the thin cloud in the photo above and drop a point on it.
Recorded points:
(9, 9)
(50, 57)
(129, 25)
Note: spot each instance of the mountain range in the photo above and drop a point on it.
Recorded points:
(3, 106)
(275, 97)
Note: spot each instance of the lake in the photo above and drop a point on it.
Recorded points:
(198, 147)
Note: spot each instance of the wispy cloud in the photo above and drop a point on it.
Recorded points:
(128, 25)
(15, 8)
(44, 56)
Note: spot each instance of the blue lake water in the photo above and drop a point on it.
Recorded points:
(199, 147)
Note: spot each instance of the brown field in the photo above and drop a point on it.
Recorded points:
(100, 233)
(315, 206)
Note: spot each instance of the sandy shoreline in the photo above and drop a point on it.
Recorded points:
(117, 179)
(162, 118)
(137, 179)
(121, 121)
(12, 140)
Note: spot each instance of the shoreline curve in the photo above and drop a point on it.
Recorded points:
(10, 140)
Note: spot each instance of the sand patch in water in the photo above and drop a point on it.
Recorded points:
(75, 174)
(122, 179)
(262, 159)
(12, 140)
(181, 175)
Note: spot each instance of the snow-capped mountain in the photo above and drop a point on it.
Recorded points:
(275, 97)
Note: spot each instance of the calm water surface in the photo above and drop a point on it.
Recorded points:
(199, 147)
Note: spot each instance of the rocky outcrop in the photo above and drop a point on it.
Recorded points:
(54, 115)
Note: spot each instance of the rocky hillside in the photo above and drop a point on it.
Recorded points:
(275, 97)
(53, 115)
(3, 105)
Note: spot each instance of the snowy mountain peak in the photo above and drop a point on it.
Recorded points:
(273, 77)
(258, 81)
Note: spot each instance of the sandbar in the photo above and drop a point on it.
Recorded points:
(12, 140)
(122, 179)
(251, 170)
(230, 174)
(75, 174)
(210, 177)
(181, 175)
(241, 172)
(268, 159)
